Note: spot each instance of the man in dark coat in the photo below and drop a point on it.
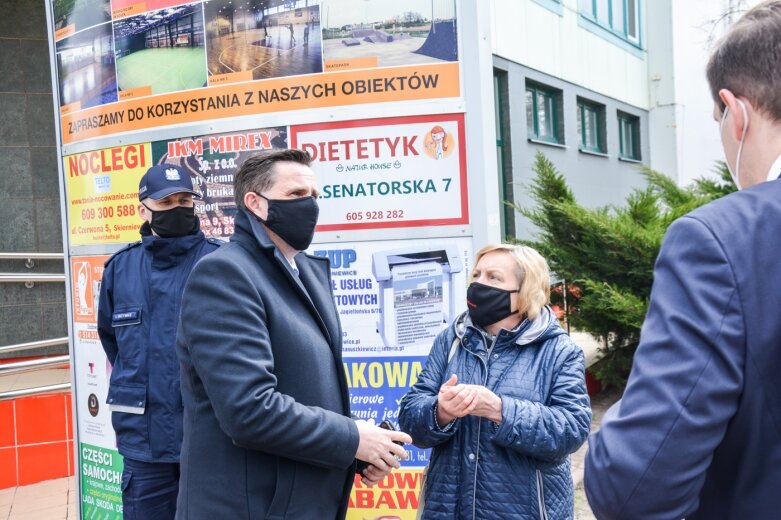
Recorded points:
(697, 434)
(267, 427)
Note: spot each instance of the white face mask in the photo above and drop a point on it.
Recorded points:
(736, 174)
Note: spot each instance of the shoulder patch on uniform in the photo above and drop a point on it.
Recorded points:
(126, 248)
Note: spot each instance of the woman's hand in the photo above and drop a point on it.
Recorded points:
(454, 401)
(488, 404)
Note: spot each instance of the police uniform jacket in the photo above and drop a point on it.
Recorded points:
(138, 314)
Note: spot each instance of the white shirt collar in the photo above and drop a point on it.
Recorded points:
(775, 170)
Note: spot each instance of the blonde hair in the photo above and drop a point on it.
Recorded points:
(533, 274)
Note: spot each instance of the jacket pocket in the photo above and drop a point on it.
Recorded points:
(127, 398)
(127, 403)
(286, 475)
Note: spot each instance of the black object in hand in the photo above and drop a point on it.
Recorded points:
(387, 425)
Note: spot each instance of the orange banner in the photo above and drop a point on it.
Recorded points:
(396, 497)
(129, 10)
(350, 64)
(135, 93)
(73, 107)
(231, 77)
(64, 32)
(274, 95)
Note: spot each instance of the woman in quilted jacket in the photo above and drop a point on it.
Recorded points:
(502, 399)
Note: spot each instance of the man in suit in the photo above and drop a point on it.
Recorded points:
(697, 433)
(267, 427)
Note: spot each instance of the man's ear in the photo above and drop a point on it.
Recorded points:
(251, 201)
(255, 204)
(143, 212)
(738, 108)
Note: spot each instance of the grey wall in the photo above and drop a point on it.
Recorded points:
(29, 189)
(594, 180)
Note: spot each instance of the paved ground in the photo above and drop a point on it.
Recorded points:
(50, 500)
(599, 405)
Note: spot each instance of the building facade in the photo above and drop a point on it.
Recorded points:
(571, 80)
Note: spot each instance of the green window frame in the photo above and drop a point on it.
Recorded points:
(629, 137)
(591, 127)
(621, 17)
(542, 114)
(502, 156)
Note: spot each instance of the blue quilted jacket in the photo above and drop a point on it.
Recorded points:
(519, 469)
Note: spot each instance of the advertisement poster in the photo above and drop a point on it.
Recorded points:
(365, 279)
(102, 189)
(379, 288)
(389, 34)
(212, 161)
(388, 173)
(395, 498)
(100, 465)
(130, 65)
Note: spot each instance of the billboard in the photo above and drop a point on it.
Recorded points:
(374, 91)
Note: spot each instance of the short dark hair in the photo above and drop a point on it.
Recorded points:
(746, 60)
(257, 173)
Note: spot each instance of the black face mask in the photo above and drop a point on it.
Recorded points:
(174, 222)
(293, 220)
(487, 304)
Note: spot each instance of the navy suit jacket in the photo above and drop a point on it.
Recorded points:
(267, 427)
(697, 433)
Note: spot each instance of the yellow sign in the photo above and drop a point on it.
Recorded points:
(102, 192)
(396, 497)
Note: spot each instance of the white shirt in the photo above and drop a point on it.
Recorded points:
(775, 170)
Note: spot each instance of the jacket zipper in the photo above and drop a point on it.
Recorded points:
(479, 427)
(541, 497)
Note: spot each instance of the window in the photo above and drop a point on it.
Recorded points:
(591, 126)
(621, 17)
(503, 154)
(629, 136)
(542, 114)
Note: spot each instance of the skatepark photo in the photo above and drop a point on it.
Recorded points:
(389, 33)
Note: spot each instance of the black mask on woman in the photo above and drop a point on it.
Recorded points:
(293, 220)
(174, 222)
(487, 304)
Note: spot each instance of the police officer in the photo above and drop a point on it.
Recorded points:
(138, 315)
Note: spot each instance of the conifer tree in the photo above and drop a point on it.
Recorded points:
(608, 253)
